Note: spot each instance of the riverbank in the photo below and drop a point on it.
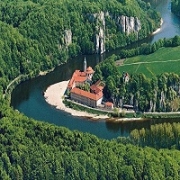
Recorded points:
(43, 73)
(157, 30)
(54, 95)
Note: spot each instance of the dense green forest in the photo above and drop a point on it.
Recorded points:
(36, 150)
(159, 93)
(138, 91)
(39, 35)
(33, 39)
(175, 7)
(158, 136)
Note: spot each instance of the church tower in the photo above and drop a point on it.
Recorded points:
(85, 65)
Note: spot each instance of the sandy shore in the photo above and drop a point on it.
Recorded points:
(54, 96)
(155, 32)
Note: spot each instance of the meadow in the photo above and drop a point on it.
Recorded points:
(163, 60)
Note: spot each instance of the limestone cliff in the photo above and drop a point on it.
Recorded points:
(162, 100)
(100, 32)
(68, 37)
(125, 25)
(100, 41)
(65, 40)
(128, 24)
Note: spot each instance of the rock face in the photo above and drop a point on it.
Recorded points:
(125, 24)
(100, 36)
(128, 24)
(100, 41)
(131, 99)
(162, 100)
(68, 37)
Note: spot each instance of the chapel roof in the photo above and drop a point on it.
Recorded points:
(78, 76)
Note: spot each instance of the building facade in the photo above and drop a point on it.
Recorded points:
(92, 98)
(86, 98)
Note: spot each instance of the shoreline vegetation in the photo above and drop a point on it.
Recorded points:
(157, 30)
(23, 77)
(17, 80)
(54, 95)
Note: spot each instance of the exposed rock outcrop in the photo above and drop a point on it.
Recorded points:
(162, 100)
(125, 24)
(100, 36)
(155, 100)
(121, 102)
(67, 37)
(136, 104)
(100, 41)
(128, 24)
(152, 102)
(150, 106)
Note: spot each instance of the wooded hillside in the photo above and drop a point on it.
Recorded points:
(35, 36)
(175, 7)
(158, 93)
(38, 35)
(36, 150)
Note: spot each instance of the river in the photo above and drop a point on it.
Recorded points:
(28, 97)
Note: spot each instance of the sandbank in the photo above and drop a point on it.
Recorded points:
(157, 30)
(54, 95)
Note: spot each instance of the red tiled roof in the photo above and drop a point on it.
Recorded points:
(95, 89)
(109, 104)
(97, 83)
(80, 79)
(87, 94)
(101, 87)
(80, 73)
(89, 70)
(77, 76)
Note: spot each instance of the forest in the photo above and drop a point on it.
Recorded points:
(175, 6)
(39, 35)
(35, 37)
(37, 150)
(160, 92)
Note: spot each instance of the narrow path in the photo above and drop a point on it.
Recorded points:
(14, 80)
(137, 68)
(150, 62)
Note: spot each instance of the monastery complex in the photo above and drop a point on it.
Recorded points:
(94, 96)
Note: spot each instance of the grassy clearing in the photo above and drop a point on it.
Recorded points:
(163, 60)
